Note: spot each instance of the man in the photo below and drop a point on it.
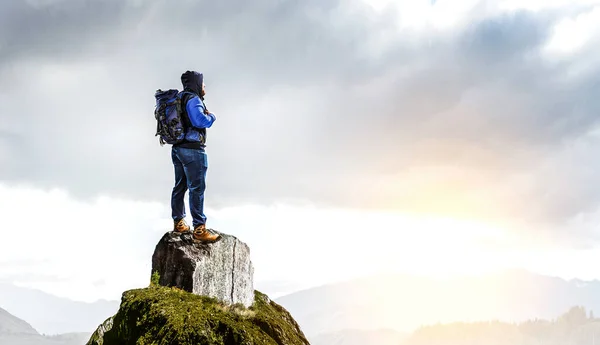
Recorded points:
(190, 160)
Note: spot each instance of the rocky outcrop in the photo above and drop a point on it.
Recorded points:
(222, 270)
(166, 316)
(199, 294)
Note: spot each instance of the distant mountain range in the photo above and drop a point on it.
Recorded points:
(14, 331)
(52, 315)
(360, 337)
(10, 324)
(378, 310)
(403, 303)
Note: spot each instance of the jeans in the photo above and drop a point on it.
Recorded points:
(190, 173)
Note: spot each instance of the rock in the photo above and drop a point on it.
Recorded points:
(97, 337)
(161, 315)
(222, 270)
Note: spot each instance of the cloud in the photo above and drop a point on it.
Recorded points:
(334, 102)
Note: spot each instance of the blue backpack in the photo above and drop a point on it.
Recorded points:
(171, 118)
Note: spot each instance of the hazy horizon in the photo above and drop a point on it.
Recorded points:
(399, 303)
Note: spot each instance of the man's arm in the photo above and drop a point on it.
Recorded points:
(199, 117)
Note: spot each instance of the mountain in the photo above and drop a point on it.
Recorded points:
(10, 324)
(168, 315)
(360, 337)
(29, 339)
(575, 327)
(14, 331)
(49, 314)
(404, 303)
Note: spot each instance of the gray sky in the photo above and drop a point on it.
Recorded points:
(476, 110)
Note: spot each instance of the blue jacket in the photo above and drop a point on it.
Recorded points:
(198, 119)
(196, 112)
(195, 136)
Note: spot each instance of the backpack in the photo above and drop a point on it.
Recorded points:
(170, 115)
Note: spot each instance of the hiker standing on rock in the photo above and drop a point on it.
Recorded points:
(190, 159)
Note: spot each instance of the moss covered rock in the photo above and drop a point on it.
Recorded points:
(168, 316)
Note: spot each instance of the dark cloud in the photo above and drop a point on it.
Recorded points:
(62, 29)
(321, 100)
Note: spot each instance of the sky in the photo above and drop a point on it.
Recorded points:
(353, 137)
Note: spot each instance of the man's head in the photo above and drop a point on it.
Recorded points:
(194, 82)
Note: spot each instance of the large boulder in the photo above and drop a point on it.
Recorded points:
(221, 270)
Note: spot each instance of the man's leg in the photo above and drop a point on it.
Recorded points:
(195, 166)
(178, 194)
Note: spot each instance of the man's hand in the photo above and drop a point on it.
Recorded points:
(206, 111)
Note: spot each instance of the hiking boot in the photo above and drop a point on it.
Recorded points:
(201, 234)
(180, 226)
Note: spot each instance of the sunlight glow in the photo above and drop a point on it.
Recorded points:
(440, 246)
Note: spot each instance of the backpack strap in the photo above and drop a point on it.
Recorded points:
(182, 108)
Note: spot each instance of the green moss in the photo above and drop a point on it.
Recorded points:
(155, 279)
(160, 315)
